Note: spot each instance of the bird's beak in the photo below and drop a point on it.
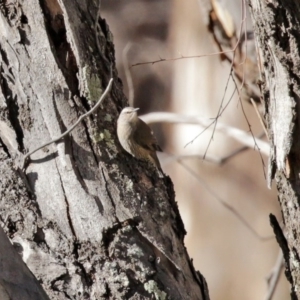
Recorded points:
(136, 109)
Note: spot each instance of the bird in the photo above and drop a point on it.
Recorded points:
(136, 137)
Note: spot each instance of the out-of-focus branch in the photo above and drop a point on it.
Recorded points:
(235, 133)
(224, 203)
(273, 278)
(128, 73)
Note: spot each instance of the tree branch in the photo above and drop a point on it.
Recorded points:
(103, 96)
(237, 134)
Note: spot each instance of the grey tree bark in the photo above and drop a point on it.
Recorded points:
(16, 281)
(277, 27)
(90, 221)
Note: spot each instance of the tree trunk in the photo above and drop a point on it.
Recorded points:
(90, 221)
(16, 281)
(277, 27)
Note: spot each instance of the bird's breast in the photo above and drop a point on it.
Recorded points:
(125, 133)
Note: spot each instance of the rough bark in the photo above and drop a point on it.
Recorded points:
(16, 281)
(90, 221)
(277, 33)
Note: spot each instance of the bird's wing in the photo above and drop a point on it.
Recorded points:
(144, 137)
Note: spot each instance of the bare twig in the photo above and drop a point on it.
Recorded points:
(192, 56)
(249, 126)
(259, 117)
(103, 96)
(221, 109)
(181, 57)
(237, 134)
(273, 278)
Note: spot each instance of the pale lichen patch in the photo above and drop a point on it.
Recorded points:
(129, 185)
(134, 250)
(92, 87)
(108, 118)
(151, 287)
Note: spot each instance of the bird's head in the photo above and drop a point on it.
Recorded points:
(128, 114)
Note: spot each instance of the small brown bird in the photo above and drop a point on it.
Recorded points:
(137, 138)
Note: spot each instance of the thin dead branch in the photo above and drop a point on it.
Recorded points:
(128, 75)
(249, 125)
(103, 96)
(182, 57)
(259, 117)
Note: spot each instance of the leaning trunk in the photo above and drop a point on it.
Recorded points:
(90, 221)
(277, 27)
